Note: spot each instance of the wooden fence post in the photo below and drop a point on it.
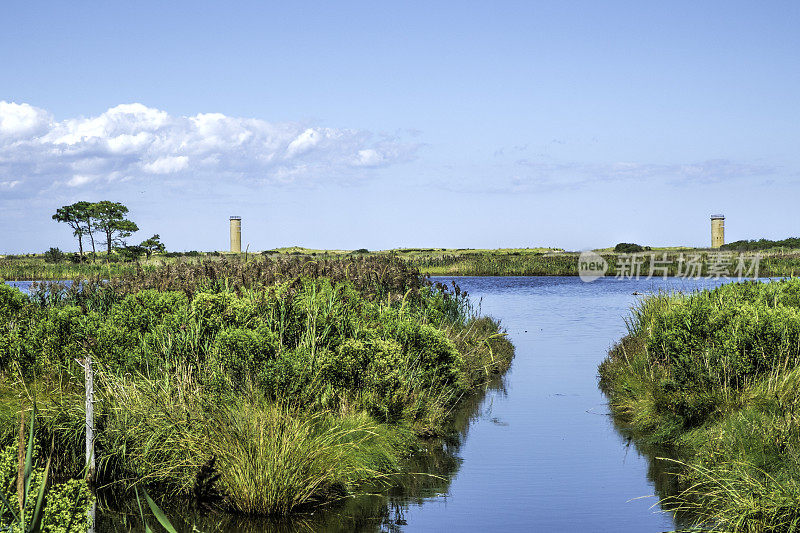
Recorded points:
(89, 415)
(89, 373)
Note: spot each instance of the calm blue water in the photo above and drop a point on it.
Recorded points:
(540, 453)
(24, 286)
(545, 456)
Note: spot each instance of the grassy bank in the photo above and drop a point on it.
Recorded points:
(265, 387)
(432, 261)
(501, 263)
(715, 376)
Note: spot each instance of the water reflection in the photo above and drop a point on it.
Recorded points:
(662, 471)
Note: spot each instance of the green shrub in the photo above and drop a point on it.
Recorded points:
(67, 502)
(142, 311)
(704, 342)
(762, 244)
(12, 300)
(386, 376)
(630, 248)
(54, 255)
(238, 355)
(344, 366)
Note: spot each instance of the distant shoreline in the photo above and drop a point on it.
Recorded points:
(672, 262)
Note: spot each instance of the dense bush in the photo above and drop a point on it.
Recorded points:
(131, 252)
(630, 248)
(728, 336)
(190, 253)
(54, 255)
(306, 332)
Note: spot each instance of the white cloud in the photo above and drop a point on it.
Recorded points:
(167, 165)
(368, 158)
(125, 119)
(133, 141)
(21, 120)
(79, 179)
(303, 143)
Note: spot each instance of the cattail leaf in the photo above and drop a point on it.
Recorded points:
(162, 518)
(141, 514)
(38, 511)
(29, 455)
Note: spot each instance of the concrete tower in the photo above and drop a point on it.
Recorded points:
(717, 230)
(236, 234)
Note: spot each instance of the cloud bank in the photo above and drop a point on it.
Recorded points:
(135, 142)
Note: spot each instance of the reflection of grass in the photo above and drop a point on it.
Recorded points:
(716, 375)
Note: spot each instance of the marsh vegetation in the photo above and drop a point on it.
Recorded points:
(777, 262)
(714, 376)
(267, 387)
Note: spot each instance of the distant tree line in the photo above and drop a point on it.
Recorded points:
(761, 244)
(108, 221)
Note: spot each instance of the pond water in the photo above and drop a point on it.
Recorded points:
(542, 454)
(24, 286)
(538, 451)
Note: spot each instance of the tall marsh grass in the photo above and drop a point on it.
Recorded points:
(716, 375)
(274, 459)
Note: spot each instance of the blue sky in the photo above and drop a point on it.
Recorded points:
(360, 124)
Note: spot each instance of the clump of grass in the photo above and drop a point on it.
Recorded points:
(265, 457)
(737, 497)
(275, 460)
